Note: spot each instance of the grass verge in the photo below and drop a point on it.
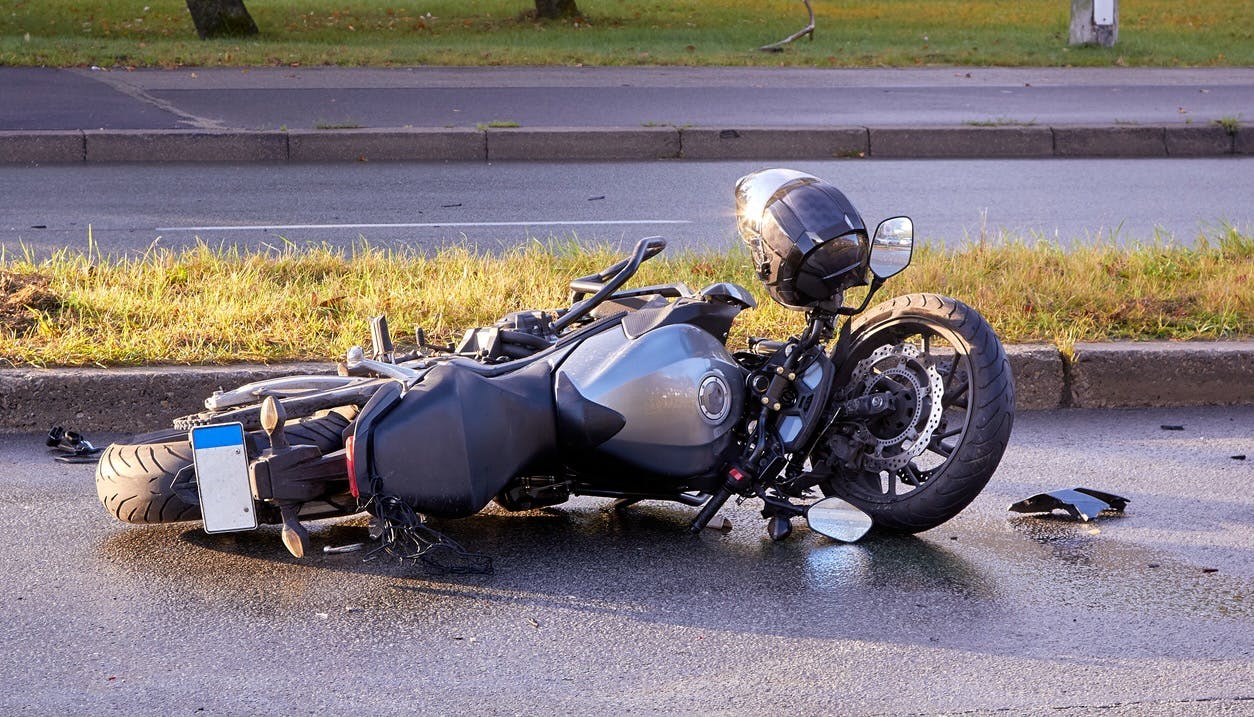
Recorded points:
(218, 306)
(646, 32)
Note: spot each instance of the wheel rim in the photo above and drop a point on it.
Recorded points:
(887, 474)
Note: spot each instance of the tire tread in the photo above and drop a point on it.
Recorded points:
(991, 408)
(134, 481)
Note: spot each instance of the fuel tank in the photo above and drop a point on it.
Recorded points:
(663, 401)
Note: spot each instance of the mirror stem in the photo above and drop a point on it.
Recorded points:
(876, 283)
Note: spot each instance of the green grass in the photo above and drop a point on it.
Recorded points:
(1001, 122)
(208, 306)
(497, 124)
(342, 124)
(614, 32)
(1230, 124)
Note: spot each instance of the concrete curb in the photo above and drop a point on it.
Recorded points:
(1117, 375)
(131, 400)
(125, 145)
(960, 142)
(421, 145)
(1162, 374)
(598, 143)
(768, 143)
(620, 143)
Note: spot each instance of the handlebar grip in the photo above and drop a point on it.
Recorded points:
(711, 508)
(653, 245)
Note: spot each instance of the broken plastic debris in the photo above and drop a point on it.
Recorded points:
(1169, 427)
(1082, 504)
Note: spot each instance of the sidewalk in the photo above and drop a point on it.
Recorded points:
(557, 113)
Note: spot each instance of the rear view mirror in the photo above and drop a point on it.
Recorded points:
(838, 520)
(891, 247)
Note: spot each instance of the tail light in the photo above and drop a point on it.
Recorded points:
(350, 458)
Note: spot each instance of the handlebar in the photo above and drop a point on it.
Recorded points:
(606, 281)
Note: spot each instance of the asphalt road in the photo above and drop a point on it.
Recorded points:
(1144, 613)
(270, 98)
(130, 207)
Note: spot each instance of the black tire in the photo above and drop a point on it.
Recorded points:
(977, 412)
(135, 480)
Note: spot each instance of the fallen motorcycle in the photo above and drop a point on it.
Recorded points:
(898, 414)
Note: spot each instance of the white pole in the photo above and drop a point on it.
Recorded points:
(1094, 22)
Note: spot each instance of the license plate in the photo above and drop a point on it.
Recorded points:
(226, 496)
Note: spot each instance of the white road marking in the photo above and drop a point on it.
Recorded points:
(424, 225)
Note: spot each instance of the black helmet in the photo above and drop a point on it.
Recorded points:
(809, 244)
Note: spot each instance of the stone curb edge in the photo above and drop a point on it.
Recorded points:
(621, 143)
(1100, 375)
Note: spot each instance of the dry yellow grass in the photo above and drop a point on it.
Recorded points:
(209, 306)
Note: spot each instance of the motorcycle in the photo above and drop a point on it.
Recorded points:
(897, 415)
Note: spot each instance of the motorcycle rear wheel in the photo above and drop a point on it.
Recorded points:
(135, 480)
(966, 437)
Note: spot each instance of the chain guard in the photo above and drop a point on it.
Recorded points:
(904, 364)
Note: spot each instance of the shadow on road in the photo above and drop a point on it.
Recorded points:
(991, 586)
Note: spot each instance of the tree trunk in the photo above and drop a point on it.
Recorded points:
(554, 9)
(1084, 27)
(221, 18)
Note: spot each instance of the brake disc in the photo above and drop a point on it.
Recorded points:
(900, 365)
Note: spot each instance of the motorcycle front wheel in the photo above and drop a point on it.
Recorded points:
(953, 396)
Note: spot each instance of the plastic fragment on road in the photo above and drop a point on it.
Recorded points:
(1081, 504)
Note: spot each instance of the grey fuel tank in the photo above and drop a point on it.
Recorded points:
(663, 402)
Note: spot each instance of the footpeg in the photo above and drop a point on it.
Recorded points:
(289, 476)
(273, 416)
(779, 528)
(295, 537)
